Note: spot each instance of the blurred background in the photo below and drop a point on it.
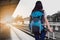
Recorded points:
(7, 8)
(11, 12)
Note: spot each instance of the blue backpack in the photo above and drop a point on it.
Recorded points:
(36, 23)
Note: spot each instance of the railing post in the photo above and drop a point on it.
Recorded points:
(54, 32)
(54, 35)
(48, 35)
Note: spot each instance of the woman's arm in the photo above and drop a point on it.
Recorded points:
(47, 23)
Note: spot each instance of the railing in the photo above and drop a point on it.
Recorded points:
(56, 28)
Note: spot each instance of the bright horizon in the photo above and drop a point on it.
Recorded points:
(25, 7)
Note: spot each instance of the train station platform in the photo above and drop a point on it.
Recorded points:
(17, 34)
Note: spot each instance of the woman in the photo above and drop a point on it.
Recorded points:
(39, 7)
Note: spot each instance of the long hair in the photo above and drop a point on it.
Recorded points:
(38, 7)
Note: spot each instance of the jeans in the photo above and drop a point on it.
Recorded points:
(40, 36)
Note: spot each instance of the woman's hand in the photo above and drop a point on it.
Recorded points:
(50, 29)
(47, 23)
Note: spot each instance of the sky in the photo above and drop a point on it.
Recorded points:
(25, 7)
